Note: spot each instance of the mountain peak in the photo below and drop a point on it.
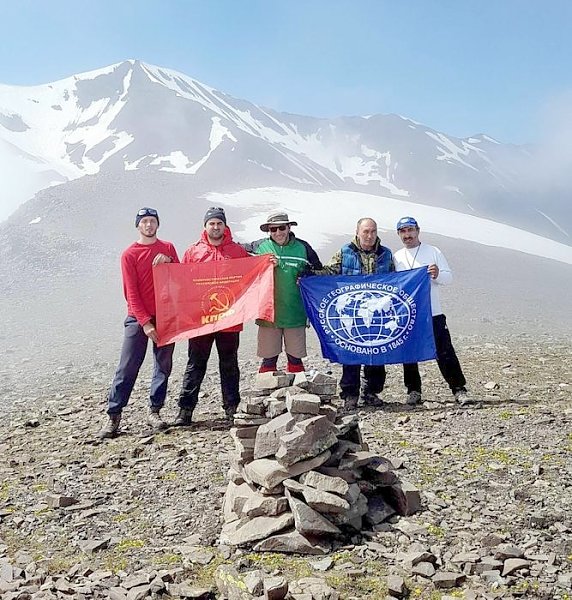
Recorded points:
(133, 115)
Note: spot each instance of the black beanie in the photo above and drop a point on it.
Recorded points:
(146, 212)
(214, 212)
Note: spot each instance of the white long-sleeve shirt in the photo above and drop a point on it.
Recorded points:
(425, 255)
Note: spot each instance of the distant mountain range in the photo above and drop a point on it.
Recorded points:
(138, 117)
(78, 157)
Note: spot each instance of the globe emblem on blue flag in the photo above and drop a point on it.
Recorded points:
(368, 318)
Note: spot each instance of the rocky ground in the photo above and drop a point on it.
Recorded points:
(144, 513)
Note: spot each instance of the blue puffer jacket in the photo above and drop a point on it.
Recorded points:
(355, 261)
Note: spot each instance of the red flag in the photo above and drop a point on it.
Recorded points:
(198, 298)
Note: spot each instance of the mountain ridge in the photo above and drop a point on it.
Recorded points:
(134, 116)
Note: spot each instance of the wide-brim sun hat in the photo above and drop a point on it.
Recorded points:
(277, 218)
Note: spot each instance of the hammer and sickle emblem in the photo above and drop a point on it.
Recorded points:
(219, 304)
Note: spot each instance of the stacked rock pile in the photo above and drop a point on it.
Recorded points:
(302, 480)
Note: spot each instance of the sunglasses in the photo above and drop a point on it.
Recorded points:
(147, 212)
(277, 228)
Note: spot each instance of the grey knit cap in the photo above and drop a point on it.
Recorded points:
(214, 212)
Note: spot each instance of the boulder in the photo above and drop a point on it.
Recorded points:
(253, 406)
(378, 510)
(273, 380)
(244, 432)
(448, 579)
(309, 438)
(511, 565)
(269, 473)
(238, 533)
(329, 411)
(404, 497)
(353, 460)
(323, 502)
(275, 407)
(275, 588)
(313, 587)
(268, 436)
(292, 542)
(234, 499)
(309, 521)
(325, 483)
(230, 583)
(349, 476)
(308, 404)
(396, 586)
(260, 505)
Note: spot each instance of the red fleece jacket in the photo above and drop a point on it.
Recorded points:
(137, 270)
(204, 251)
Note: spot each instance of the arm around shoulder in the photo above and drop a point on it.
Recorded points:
(312, 256)
(252, 247)
(333, 266)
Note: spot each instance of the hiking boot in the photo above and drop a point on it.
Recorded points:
(413, 398)
(229, 412)
(371, 399)
(294, 368)
(264, 369)
(462, 398)
(154, 419)
(350, 404)
(184, 418)
(111, 427)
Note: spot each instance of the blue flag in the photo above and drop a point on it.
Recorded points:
(372, 319)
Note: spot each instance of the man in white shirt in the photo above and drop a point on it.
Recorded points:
(414, 255)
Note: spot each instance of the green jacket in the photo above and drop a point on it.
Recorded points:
(295, 259)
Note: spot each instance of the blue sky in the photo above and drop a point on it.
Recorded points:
(501, 67)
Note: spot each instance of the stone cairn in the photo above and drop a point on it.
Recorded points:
(302, 480)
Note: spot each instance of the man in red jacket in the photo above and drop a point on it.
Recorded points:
(137, 264)
(215, 244)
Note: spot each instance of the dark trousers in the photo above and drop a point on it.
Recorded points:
(446, 360)
(374, 380)
(199, 352)
(132, 355)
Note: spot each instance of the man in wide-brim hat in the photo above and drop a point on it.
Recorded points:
(276, 219)
(293, 258)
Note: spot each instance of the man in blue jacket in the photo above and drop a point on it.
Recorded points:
(363, 256)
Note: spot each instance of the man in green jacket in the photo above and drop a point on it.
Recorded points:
(293, 258)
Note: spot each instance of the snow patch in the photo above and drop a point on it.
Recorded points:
(490, 139)
(218, 133)
(180, 163)
(450, 150)
(259, 164)
(318, 221)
